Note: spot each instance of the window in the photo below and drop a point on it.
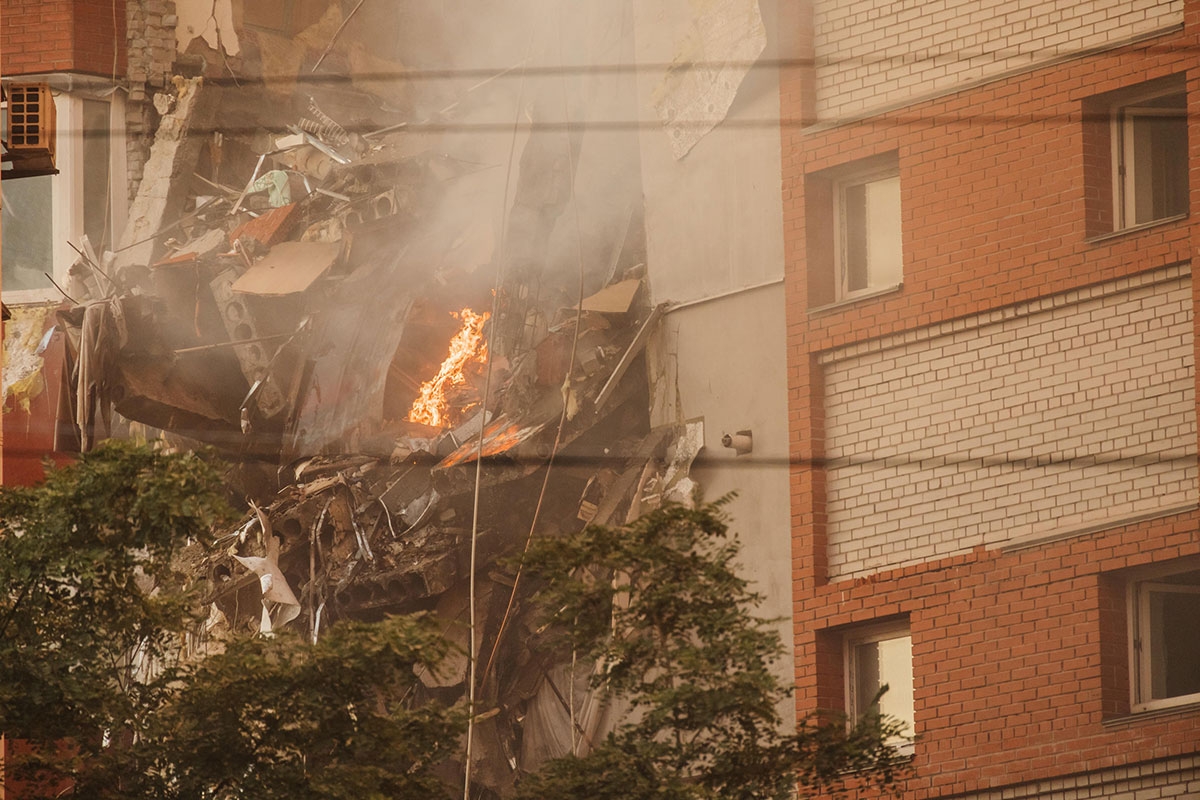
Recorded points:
(1165, 621)
(1150, 159)
(877, 656)
(1135, 156)
(86, 197)
(854, 239)
(868, 220)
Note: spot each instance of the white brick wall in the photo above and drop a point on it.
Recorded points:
(1028, 421)
(1172, 779)
(874, 53)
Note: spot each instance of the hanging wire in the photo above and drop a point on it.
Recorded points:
(473, 655)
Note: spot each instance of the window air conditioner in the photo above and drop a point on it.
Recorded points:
(30, 131)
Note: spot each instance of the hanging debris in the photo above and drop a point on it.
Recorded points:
(319, 323)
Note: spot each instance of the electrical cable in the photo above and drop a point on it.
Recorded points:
(501, 250)
(566, 399)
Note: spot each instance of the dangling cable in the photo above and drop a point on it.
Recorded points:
(472, 654)
(562, 419)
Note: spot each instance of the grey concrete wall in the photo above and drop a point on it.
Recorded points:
(713, 232)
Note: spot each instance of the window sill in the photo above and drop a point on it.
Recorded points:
(869, 294)
(1050, 537)
(1187, 707)
(1154, 223)
(30, 297)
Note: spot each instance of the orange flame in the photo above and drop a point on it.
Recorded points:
(467, 347)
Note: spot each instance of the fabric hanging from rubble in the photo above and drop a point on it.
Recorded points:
(24, 335)
(565, 715)
(103, 332)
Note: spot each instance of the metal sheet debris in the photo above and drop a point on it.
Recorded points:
(500, 437)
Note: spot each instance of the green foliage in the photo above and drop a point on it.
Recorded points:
(93, 616)
(92, 619)
(298, 721)
(660, 603)
(87, 593)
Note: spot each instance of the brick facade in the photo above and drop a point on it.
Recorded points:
(1059, 413)
(1021, 658)
(151, 26)
(875, 53)
(42, 36)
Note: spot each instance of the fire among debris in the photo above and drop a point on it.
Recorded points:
(467, 348)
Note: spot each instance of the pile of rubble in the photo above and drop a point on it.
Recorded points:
(291, 321)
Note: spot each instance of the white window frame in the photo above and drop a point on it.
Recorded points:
(1141, 664)
(856, 706)
(1124, 159)
(67, 201)
(859, 177)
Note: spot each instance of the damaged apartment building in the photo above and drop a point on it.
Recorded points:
(412, 273)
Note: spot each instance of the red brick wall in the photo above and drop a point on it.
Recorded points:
(1019, 658)
(62, 36)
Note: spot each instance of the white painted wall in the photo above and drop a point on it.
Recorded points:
(714, 230)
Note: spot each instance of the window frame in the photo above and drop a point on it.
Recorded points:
(67, 201)
(1122, 116)
(860, 175)
(1140, 656)
(870, 634)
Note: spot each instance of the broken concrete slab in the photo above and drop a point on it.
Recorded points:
(163, 192)
(615, 299)
(289, 267)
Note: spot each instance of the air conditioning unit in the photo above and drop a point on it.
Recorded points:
(30, 142)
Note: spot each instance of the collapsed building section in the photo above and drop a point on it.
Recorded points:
(391, 329)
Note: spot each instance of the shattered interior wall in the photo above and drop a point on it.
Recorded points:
(300, 253)
(325, 198)
(151, 31)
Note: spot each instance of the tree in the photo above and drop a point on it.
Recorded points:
(95, 606)
(93, 611)
(87, 592)
(278, 718)
(660, 603)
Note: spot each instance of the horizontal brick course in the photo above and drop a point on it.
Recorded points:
(1031, 420)
(871, 54)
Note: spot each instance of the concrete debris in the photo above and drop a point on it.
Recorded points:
(288, 268)
(291, 324)
(210, 20)
(162, 193)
